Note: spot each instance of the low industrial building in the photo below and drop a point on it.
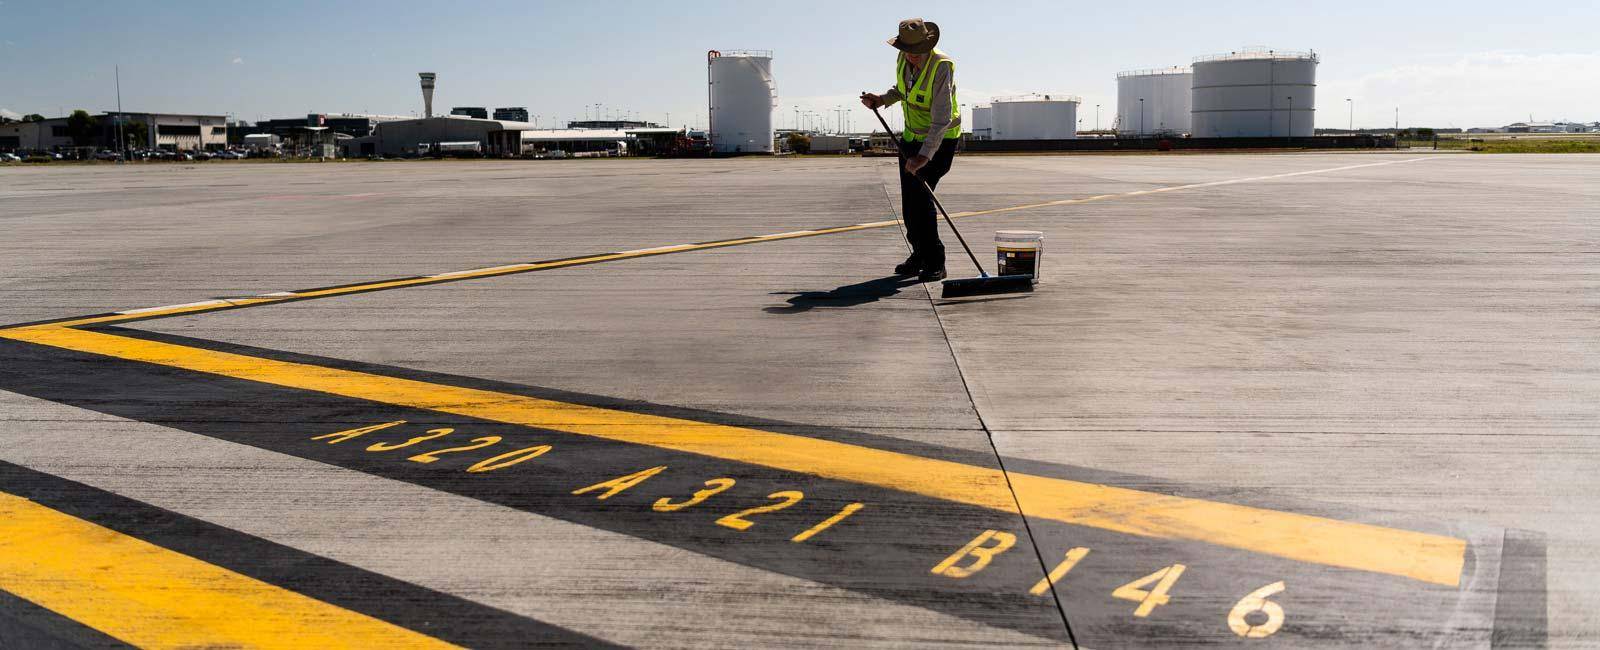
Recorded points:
(172, 131)
(34, 136)
(830, 144)
(1548, 127)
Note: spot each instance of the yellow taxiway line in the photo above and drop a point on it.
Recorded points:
(1427, 557)
(152, 597)
(509, 269)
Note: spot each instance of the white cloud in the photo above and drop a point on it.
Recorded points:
(238, 59)
(10, 114)
(1481, 89)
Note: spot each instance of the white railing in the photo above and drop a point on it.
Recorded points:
(1038, 97)
(1152, 72)
(1258, 53)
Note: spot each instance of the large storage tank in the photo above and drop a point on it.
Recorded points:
(1254, 93)
(1166, 95)
(742, 97)
(1035, 117)
(983, 122)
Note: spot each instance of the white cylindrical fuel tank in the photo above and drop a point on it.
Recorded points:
(742, 96)
(983, 122)
(1035, 117)
(1255, 93)
(1165, 109)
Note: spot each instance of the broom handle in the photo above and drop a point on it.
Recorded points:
(902, 157)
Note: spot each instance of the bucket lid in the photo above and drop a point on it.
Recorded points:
(1018, 235)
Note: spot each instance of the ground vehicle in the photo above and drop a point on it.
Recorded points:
(469, 149)
(9, 157)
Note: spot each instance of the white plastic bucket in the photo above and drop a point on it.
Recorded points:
(1019, 252)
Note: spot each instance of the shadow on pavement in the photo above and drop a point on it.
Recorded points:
(850, 295)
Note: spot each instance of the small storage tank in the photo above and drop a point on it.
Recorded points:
(1035, 117)
(1254, 93)
(983, 122)
(1166, 95)
(742, 96)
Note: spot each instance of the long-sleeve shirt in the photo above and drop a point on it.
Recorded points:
(944, 86)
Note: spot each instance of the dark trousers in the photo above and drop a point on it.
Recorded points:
(916, 207)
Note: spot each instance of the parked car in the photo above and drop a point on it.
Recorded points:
(10, 157)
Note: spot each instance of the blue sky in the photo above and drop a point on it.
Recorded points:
(1461, 63)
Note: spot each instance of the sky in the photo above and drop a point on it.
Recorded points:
(1444, 64)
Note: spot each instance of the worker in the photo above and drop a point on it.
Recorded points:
(925, 87)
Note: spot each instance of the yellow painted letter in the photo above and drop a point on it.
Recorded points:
(620, 483)
(336, 438)
(981, 555)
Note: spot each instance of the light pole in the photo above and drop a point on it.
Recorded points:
(1141, 117)
(1291, 116)
(1096, 117)
(1352, 104)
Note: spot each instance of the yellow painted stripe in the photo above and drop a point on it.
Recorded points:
(378, 285)
(151, 597)
(1431, 558)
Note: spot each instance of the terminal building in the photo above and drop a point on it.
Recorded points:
(355, 125)
(499, 138)
(512, 113)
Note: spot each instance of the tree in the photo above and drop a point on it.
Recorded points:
(33, 117)
(799, 143)
(82, 127)
(133, 133)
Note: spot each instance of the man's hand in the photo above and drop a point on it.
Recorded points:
(870, 100)
(915, 163)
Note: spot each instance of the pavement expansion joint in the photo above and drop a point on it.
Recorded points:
(1136, 560)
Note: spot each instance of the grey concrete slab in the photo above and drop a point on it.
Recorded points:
(763, 331)
(110, 238)
(1411, 338)
(611, 586)
(1383, 343)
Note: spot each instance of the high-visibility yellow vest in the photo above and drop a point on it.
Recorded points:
(917, 102)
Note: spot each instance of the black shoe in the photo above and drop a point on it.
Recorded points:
(912, 266)
(930, 275)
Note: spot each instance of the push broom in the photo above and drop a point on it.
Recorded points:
(984, 284)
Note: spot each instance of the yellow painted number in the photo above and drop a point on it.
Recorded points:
(828, 523)
(430, 456)
(432, 433)
(509, 458)
(713, 487)
(1157, 595)
(785, 499)
(981, 555)
(1042, 587)
(1257, 601)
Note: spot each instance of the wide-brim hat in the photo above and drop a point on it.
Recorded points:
(917, 36)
